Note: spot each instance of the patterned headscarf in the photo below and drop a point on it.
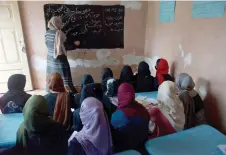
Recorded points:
(106, 74)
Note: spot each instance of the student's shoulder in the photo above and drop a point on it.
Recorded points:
(119, 118)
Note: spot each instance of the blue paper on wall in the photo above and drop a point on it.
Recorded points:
(208, 9)
(166, 11)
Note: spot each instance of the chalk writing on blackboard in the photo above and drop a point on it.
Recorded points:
(94, 25)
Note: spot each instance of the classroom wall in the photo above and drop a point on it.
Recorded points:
(203, 42)
(83, 61)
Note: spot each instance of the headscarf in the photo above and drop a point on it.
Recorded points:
(170, 105)
(127, 103)
(16, 83)
(106, 74)
(162, 68)
(126, 74)
(87, 79)
(92, 90)
(55, 23)
(16, 96)
(143, 69)
(95, 136)
(112, 87)
(36, 119)
(112, 90)
(185, 85)
(62, 109)
(144, 79)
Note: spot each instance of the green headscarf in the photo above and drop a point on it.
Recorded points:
(36, 119)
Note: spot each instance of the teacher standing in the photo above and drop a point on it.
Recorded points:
(57, 54)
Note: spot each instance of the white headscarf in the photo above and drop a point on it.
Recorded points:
(55, 23)
(170, 105)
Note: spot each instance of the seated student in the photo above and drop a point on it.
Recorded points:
(59, 100)
(39, 134)
(112, 90)
(144, 80)
(127, 76)
(95, 136)
(14, 100)
(162, 73)
(168, 116)
(92, 90)
(87, 79)
(106, 74)
(129, 122)
(193, 104)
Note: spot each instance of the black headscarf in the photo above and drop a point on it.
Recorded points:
(143, 69)
(16, 83)
(126, 75)
(14, 100)
(112, 87)
(90, 90)
(87, 79)
(106, 74)
(144, 79)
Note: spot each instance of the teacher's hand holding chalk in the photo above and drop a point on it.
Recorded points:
(77, 43)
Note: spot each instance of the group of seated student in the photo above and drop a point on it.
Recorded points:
(106, 117)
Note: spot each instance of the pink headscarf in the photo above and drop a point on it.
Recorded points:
(127, 103)
(95, 136)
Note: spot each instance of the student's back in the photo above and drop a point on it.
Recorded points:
(193, 104)
(14, 100)
(39, 134)
(130, 121)
(126, 76)
(144, 80)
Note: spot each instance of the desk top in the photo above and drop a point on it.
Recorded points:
(9, 124)
(201, 140)
(152, 95)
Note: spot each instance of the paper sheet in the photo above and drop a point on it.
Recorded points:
(166, 11)
(222, 148)
(145, 100)
(208, 9)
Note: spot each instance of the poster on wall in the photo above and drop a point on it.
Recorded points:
(208, 9)
(95, 26)
(166, 11)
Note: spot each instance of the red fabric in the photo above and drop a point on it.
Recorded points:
(127, 103)
(162, 68)
(162, 125)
